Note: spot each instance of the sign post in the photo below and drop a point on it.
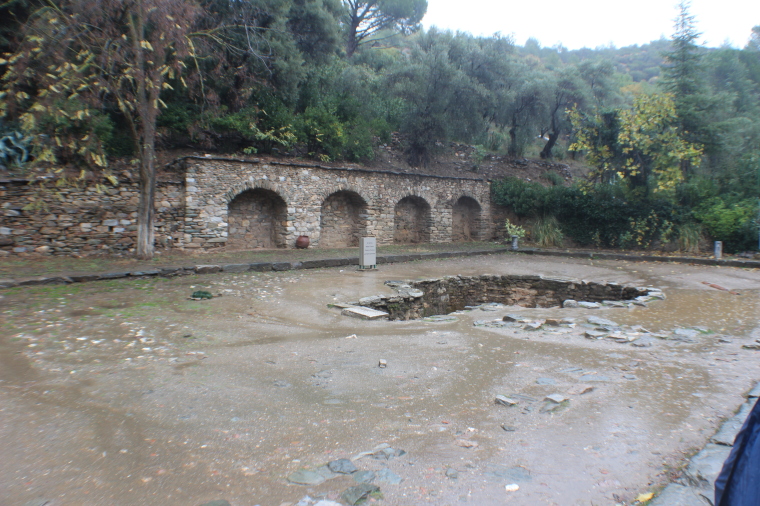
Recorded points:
(367, 253)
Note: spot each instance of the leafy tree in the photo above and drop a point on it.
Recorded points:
(89, 52)
(441, 101)
(642, 146)
(365, 18)
(569, 91)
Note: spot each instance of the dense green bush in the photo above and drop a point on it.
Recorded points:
(599, 215)
(734, 223)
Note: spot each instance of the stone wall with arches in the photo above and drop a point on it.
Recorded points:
(247, 204)
(258, 204)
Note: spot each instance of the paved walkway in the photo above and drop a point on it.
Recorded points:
(212, 265)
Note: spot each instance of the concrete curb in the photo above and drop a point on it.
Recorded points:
(339, 262)
(697, 485)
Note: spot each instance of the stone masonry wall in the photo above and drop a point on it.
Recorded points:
(80, 220)
(417, 299)
(245, 204)
(212, 183)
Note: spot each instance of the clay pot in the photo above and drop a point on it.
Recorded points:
(302, 241)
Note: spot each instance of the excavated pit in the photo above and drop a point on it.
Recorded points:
(418, 299)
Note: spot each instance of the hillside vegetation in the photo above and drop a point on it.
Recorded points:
(669, 131)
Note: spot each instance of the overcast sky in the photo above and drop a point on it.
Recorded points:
(594, 23)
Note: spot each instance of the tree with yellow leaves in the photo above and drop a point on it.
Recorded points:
(641, 146)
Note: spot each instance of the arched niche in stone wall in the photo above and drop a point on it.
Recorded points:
(411, 220)
(256, 219)
(343, 219)
(466, 220)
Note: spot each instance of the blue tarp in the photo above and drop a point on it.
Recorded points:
(738, 483)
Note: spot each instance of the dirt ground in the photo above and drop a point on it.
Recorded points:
(127, 392)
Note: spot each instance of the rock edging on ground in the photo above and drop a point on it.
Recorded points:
(697, 485)
(344, 261)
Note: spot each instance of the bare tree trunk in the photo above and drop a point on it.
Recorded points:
(512, 149)
(547, 151)
(146, 208)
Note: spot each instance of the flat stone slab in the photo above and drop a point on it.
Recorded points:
(365, 313)
(679, 495)
(305, 477)
(728, 431)
(706, 465)
(595, 320)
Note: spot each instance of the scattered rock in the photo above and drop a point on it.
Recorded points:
(515, 318)
(326, 473)
(504, 401)
(382, 364)
(643, 342)
(545, 381)
(594, 334)
(440, 318)
(342, 466)
(388, 476)
(595, 320)
(534, 325)
(751, 346)
(569, 303)
(512, 487)
(466, 443)
(358, 492)
(364, 476)
(452, 473)
(629, 376)
(685, 335)
(589, 305)
(508, 428)
(281, 383)
(594, 378)
(305, 477)
(557, 398)
(580, 389)
(502, 473)
(387, 454)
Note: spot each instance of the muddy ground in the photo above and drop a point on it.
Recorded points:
(126, 392)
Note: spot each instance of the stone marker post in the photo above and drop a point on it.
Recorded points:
(718, 250)
(367, 253)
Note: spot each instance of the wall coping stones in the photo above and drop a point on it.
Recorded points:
(260, 266)
(324, 167)
(207, 269)
(114, 275)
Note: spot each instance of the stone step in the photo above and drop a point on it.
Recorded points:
(365, 313)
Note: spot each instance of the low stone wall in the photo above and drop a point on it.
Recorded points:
(75, 220)
(246, 204)
(391, 206)
(417, 299)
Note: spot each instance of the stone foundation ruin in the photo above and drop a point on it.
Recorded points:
(418, 299)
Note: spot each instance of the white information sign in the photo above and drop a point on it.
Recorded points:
(367, 252)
